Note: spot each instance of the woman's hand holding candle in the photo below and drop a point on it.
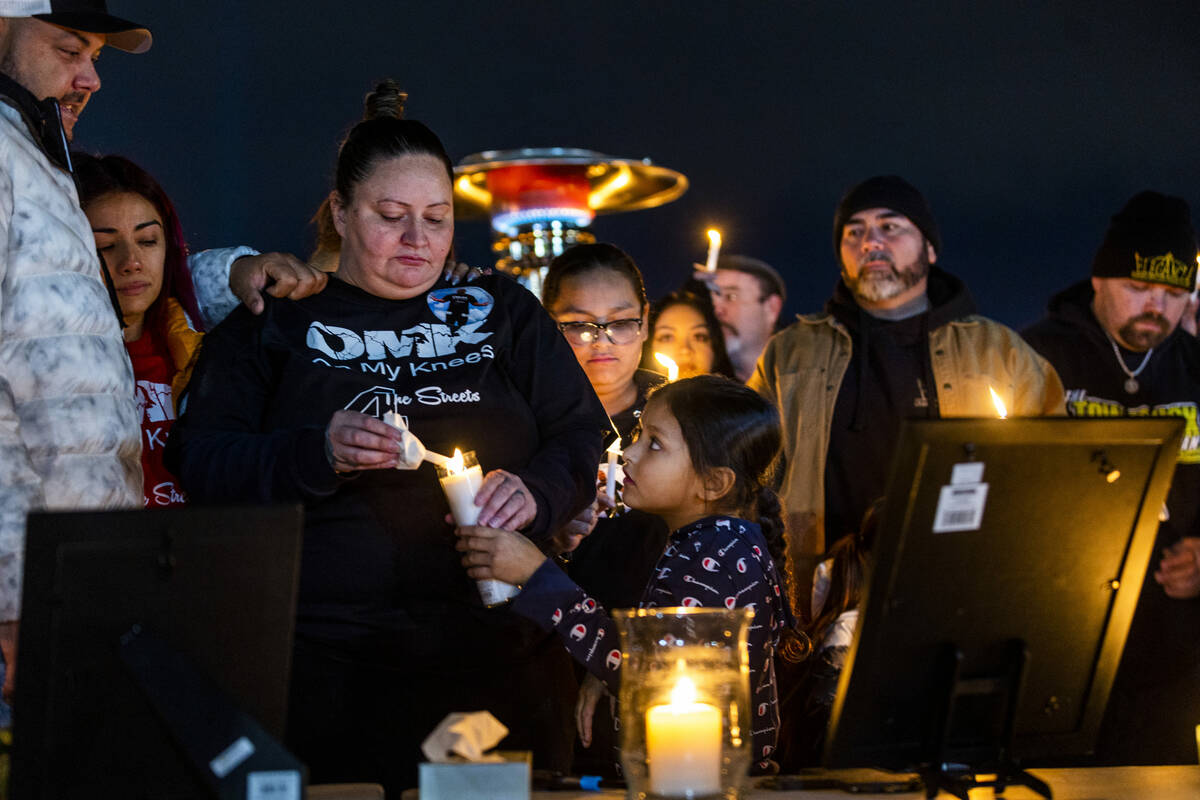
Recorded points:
(505, 501)
(355, 441)
(493, 553)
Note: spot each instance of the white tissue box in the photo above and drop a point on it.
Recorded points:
(467, 780)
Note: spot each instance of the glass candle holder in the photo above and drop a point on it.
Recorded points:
(685, 702)
(460, 478)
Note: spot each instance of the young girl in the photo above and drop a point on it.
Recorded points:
(139, 237)
(700, 462)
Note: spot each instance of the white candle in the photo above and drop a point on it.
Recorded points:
(683, 745)
(669, 363)
(714, 250)
(610, 475)
(461, 477)
(461, 482)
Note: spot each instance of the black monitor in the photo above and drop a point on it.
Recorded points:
(1006, 569)
(154, 653)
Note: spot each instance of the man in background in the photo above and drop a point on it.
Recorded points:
(1117, 341)
(747, 297)
(898, 340)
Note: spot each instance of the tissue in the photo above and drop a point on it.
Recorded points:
(465, 735)
(412, 452)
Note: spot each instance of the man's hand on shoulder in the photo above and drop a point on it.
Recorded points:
(280, 274)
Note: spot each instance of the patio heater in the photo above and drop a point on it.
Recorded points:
(541, 200)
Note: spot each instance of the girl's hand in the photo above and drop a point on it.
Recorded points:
(568, 537)
(590, 693)
(493, 553)
(355, 441)
(505, 501)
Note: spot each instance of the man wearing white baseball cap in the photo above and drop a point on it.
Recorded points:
(69, 434)
(69, 423)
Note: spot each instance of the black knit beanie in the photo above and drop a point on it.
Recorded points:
(886, 191)
(1151, 239)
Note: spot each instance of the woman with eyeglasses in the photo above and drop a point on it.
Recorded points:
(596, 295)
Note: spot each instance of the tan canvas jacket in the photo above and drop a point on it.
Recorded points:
(801, 371)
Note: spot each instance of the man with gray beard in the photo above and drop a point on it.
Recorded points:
(899, 339)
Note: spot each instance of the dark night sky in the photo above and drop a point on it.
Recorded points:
(1026, 124)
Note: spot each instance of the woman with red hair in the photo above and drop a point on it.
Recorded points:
(141, 245)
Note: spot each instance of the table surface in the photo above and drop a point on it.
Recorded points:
(1101, 783)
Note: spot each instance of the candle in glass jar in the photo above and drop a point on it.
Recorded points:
(683, 745)
(460, 481)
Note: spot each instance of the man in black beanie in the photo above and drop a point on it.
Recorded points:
(1117, 344)
(899, 339)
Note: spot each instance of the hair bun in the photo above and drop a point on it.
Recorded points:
(387, 101)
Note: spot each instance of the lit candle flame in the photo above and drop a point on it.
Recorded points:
(684, 693)
(614, 448)
(669, 363)
(455, 465)
(1001, 409)
(714, 249)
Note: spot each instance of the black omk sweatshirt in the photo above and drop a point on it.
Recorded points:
(478, 367)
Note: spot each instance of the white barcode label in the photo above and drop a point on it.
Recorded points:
(960, 508)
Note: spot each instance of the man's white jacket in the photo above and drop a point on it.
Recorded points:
(70, 435)
(69, 428)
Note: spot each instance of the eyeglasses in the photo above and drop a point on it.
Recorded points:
(619, 331)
